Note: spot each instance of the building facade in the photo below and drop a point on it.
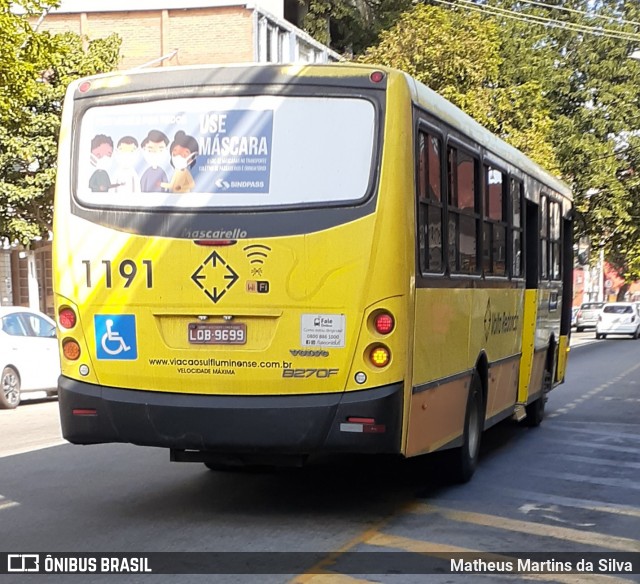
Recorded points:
(191, 32)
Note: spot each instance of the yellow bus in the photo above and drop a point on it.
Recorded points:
(259, 264)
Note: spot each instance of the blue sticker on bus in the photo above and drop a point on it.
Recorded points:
(116, 336)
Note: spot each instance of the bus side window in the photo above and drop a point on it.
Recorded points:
(430, 202)
(494, 254)
(515, 224)
(555, 241)
(544, 237)
(464, 212)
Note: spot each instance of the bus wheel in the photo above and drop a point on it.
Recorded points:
(464, 460)
(535, 410)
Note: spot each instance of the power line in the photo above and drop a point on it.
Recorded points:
(532, 18)
(541, 20)
(613, 154)
(581, 12)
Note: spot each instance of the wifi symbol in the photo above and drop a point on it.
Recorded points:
(257, 253)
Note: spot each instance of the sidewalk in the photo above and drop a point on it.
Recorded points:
(581, 339)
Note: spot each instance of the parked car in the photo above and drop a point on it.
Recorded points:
(29, 355)
(618, 318)
(587, 316)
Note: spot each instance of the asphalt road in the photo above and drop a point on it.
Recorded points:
(570, 485)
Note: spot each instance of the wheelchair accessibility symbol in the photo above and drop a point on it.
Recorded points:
(116, 336)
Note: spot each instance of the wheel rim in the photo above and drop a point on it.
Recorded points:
(473, 437)
(10, 387)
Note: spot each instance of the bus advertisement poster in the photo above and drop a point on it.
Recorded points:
(165, 147)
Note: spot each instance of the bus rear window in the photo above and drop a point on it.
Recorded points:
(226, 152)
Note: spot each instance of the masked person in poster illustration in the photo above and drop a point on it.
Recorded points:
(101, 151)
(184, 150)
(155, 150)
(126, 178)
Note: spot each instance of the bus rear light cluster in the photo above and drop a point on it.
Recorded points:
(379, 356)
(67, 317)
(84, 412)
(71, 349)
(364, 425)
(384, 323)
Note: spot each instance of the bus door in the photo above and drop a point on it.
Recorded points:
(530, 313)
(567, 298)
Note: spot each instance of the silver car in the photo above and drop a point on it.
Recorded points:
(587, 316)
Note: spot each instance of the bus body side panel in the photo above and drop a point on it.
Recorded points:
(454, 327)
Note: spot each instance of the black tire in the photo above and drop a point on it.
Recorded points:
(9, 389)
(636, 334)
(535, 410)
(464, 460)
(598, 336)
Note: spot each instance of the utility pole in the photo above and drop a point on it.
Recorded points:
(601, 296)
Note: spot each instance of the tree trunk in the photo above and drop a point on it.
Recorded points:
(623, 290)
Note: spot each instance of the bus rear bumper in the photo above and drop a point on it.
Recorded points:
(366, 421)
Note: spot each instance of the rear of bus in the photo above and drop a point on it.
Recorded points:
(231, 274)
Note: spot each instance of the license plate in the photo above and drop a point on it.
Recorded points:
(217, 334)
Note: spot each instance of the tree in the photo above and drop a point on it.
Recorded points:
(554, 80)
(35, 69)
(470, 73)
(590, 87)
(350, 26)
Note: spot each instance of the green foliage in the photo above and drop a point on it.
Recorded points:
(567, 99)
(473, 73)
(349, 26)
(591, 88)
(35, 69)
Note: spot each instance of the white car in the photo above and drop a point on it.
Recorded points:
(29, 354)
(618, 318)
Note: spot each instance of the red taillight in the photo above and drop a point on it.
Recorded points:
(364, 425)
(84, 412)
(84, 87)
(67, 317)
(384, 323)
